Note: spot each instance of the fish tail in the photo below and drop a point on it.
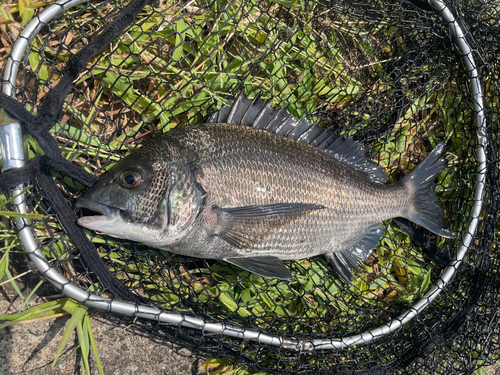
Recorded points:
(423, 209)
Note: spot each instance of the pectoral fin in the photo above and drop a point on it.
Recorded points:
(345, 261)
(244, 227)
(265, 266)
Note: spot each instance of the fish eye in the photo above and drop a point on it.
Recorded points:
(130, 179)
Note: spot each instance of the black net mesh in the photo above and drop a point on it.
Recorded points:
(386, 73)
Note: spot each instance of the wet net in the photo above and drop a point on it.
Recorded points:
(91, 81)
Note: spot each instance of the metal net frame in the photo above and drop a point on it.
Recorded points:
(88, 82)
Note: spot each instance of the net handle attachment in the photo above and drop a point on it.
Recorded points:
(11, 138)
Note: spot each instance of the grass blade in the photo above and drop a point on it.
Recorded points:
(25, 304)
(83, 340)
(77, 314)
(94, 345)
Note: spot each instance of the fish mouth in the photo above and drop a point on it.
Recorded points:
(107, 213)
(98, 207)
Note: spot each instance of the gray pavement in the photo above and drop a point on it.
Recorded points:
(30, 348)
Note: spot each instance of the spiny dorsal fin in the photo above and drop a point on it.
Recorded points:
(259, 115)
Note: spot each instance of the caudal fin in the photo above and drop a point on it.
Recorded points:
(424, 209)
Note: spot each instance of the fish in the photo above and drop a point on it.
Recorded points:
(254, 186)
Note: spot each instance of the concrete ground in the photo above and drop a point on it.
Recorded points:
(30, 348)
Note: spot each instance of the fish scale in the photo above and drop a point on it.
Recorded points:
(242, 193)
(280, 163)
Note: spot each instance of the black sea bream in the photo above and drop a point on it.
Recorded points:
(254, 186)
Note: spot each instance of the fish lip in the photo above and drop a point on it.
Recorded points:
(98, 207)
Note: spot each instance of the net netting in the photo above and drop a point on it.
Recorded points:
(389, 74)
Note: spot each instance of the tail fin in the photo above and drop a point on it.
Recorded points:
(420, 182)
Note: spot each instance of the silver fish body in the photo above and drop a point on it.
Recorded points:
(253, 197)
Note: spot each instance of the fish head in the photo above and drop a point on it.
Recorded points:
(131, 199)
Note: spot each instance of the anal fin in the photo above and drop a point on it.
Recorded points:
(345, 261)
(265, 266)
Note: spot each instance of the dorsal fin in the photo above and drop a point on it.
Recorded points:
(260, 115)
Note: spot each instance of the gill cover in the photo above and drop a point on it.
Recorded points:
(185, 199)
